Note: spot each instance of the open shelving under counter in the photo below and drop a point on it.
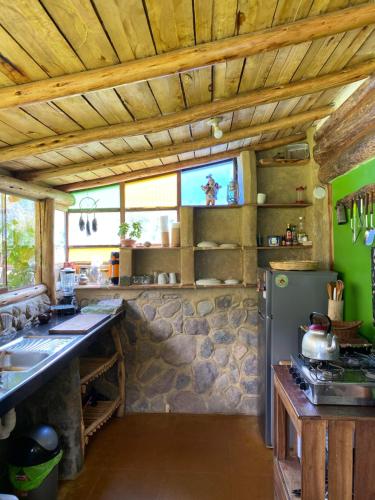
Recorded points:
(94, 417)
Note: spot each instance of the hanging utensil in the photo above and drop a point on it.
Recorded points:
(367, 196)
(371, 235)
(340, 289)
(356, 229)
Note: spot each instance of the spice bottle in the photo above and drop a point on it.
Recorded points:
(288, 236)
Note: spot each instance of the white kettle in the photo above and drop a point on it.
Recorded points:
(318, 343)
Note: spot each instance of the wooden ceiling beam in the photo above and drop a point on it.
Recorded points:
(191, 115)
(189, 58)
(183, 147)
(145, 173)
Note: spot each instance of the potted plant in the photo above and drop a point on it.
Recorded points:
(134, 231)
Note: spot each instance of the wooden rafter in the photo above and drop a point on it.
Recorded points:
(174, 167)
(184, 147)
(191, 115)
(347, 138)
(145, 173)
(189, 58)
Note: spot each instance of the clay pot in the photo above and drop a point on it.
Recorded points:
(124, 242)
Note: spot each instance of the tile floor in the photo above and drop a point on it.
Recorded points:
(175, 457)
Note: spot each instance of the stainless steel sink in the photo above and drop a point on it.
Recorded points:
(25, 353)
(18, 361)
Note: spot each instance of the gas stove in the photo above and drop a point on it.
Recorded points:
(348, 381)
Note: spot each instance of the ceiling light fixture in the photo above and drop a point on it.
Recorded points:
(214, 122)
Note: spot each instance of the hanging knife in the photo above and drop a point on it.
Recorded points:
(355, 221)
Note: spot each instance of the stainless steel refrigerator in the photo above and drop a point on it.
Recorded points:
(285, 301)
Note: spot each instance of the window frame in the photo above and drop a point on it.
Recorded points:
(123, 210)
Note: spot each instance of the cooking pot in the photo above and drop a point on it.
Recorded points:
(318, 343)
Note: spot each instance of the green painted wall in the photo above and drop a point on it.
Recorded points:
(353, 261)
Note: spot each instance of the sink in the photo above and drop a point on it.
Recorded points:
(19, 361)
(25, 353)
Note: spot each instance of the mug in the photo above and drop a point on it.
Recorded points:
(162, 279)
(172, 278)
(261, 198)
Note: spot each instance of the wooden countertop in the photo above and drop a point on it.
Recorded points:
(303, 409)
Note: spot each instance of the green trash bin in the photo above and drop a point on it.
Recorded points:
(33, 464)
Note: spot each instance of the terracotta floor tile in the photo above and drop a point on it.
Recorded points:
(122, 484)
(194, 486)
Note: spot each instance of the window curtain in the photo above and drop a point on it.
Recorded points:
(45, 261)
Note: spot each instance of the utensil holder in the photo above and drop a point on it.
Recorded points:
(335, 309)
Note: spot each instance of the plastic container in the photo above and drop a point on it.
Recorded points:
(33, 464)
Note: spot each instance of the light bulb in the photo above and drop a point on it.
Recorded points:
(218, 133)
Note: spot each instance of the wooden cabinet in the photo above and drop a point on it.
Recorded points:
(337, 447)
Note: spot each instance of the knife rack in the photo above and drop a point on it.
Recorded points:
(360, 193)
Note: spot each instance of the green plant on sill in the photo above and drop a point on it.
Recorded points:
(135, 233)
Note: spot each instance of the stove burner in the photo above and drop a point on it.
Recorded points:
(369, 373)
(328, 372)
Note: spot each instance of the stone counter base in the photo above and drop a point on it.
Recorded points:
(193, 351)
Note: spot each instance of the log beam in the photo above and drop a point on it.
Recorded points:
(184, 147)
(189, 58)
(145, 173)
(9, 184)
(191, 115)
(347, 138)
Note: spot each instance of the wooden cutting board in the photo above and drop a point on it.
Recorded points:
(79, 324)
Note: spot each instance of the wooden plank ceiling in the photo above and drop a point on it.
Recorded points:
(48, 38)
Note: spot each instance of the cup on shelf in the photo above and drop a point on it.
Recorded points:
(261, 198)
(162, 278)
(172, 278)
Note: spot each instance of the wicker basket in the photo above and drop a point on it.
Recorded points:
(295, 265)
(346, 330)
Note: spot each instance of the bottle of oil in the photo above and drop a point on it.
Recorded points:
(288, 236)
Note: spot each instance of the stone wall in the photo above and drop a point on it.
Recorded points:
(20, 315)
(194, 350)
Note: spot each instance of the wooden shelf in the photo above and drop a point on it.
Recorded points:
(92, 368)
(284, 205)
(154, 247)
(96, 416)
(280, 247)
(288, 473)
(270, 162)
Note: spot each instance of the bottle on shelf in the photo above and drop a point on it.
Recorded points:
(288, 236)
(301, 235)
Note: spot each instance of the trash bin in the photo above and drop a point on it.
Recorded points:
(33, 463)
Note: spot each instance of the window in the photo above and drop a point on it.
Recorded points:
(94, 209)
(193, 179)
(159, 196)
(18, 242)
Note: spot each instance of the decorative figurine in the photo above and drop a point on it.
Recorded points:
(211, 188)
(232, 192)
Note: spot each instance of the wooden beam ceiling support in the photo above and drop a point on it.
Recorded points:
(181, 165)
(183, 147)
(347, 138)
(189, 58)
(145, 173)
(191, 115)
(18, 187)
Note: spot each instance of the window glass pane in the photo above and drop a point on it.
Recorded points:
(151, 223)
(91, 254)
(106, 197)
(59, 238)
(149, 193)
(106, 234)
(192, 180)
(20, 228)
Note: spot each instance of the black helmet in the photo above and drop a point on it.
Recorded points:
(35, 447)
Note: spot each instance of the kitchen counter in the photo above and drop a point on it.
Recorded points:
(350, 460)
(17, 386)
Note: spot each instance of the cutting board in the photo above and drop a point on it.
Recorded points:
(79, 324)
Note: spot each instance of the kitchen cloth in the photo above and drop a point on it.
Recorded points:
(107, 306)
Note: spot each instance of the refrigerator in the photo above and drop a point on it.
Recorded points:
(285, 301)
